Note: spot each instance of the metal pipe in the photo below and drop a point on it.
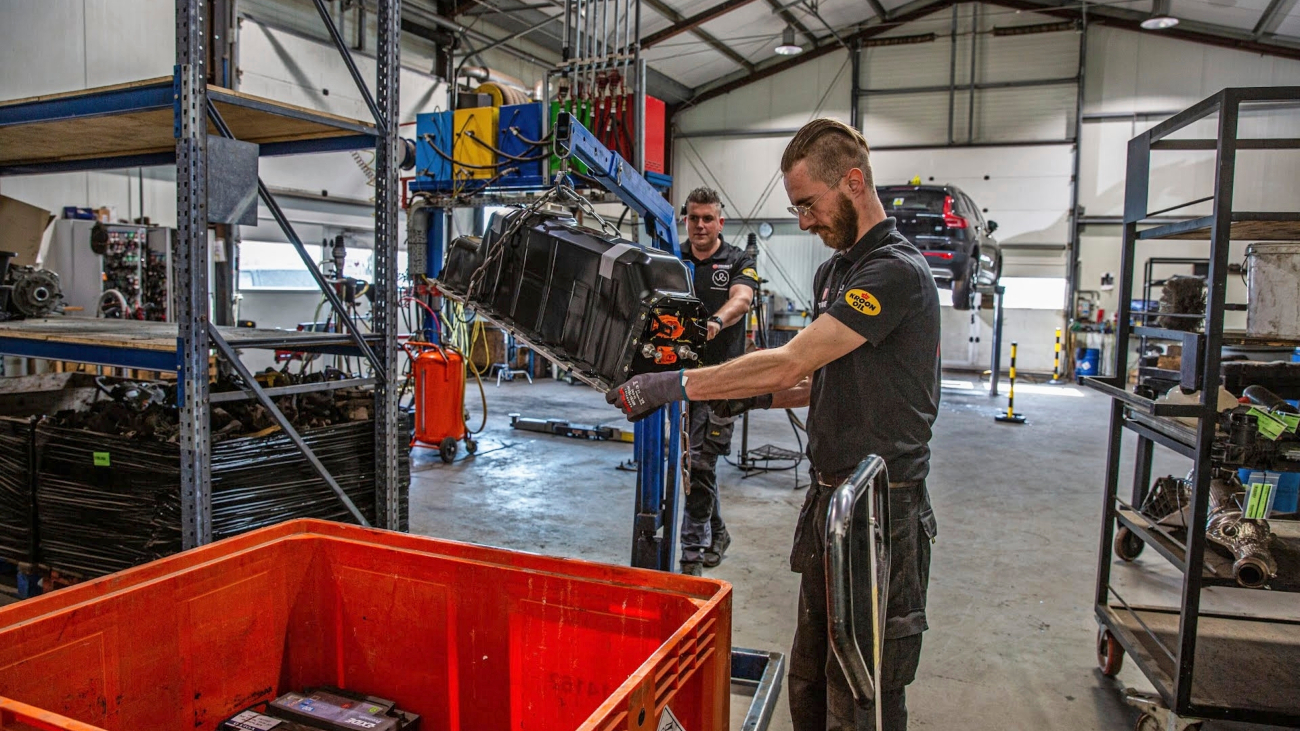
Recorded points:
(952, 73)
(566, 49)
(970, 91)
(1247, 539)
(855, 84)
(869, 480)
(1076, 164)
(252, 385)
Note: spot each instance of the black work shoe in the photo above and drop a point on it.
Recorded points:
(717, 551)
(692, 568)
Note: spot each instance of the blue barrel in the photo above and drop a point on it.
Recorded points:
(1087, 362)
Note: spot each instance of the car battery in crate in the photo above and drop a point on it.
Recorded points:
(324, 709)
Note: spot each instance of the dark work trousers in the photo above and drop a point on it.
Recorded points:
(702, 522)
(820, 698)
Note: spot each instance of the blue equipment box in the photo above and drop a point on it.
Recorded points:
(520, 128)
(432, 169)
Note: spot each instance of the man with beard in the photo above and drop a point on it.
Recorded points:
(867, 367)
(725, 280)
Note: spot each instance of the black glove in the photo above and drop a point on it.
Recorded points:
(737, 406)
(641, 395)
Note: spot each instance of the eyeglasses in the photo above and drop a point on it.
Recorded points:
(801, 211)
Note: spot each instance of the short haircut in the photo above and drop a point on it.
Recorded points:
(703, 197)
(831, 149)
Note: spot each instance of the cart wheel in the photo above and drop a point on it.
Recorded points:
(1147, 722)
(1128, 545)
(447, 450)
(1110, 655)
(471, 446)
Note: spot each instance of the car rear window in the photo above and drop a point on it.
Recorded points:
(911, 199)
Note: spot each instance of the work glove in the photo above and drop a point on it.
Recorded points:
(641, 395)
(731, 408)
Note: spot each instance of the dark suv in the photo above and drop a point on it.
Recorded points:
(947, 227)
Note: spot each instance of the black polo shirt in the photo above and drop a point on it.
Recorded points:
(714, 278)
(883, 397)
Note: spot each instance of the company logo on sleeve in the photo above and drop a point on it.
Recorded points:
(748, 272)
(863, 301)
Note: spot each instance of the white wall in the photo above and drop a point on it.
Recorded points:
(1145, 72)
(1026, 189)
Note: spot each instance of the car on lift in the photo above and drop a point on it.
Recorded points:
(950, 230)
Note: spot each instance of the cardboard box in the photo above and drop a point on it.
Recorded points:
(22, 228)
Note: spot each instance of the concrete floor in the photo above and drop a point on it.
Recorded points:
(1011, 644)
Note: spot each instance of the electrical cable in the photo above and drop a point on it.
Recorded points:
(502, 153)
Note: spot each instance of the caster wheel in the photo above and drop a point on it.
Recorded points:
(447, 450)
(471, 446)
(1128, 546)
(1147, 722)
(1110, 655)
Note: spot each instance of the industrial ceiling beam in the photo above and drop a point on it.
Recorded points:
(879, 10)
(693, 22)
(905, 14)
(663, 9)
(1187, 30)
(1272, 17)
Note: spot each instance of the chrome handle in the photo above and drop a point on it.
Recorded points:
(869, 480)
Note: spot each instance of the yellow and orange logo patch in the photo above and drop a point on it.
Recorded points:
(863, 301)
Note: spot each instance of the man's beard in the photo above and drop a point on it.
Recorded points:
(842, 233)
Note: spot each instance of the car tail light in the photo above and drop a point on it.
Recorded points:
(945, 255)
(950, 219)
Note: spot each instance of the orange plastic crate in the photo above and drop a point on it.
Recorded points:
(468, 637)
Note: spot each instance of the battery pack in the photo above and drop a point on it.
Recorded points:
(324, 709)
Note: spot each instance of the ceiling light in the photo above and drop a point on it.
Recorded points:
(788, 46)
(1160, 18)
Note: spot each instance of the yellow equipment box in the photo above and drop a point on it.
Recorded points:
(475, 158)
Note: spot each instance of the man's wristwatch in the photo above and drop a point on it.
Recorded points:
(718, 320)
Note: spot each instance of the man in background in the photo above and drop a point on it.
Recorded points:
(725, 280)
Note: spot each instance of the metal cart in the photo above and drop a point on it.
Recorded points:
(1204, 665)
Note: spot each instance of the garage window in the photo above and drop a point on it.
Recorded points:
(1034, 293)
(272, 265)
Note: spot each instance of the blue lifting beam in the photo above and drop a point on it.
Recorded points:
(658, 443)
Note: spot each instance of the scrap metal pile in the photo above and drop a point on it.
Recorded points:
(147, 410)
(98, 485)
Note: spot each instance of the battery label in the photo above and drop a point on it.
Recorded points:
(253, 722)
(338, 712)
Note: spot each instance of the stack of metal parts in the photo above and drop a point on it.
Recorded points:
(16, 447)
(106, 493)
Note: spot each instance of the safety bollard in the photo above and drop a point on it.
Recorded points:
(1011, 417)
(1056, 361)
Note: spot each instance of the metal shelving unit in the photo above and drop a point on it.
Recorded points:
(1204, 665)
(168, 121)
